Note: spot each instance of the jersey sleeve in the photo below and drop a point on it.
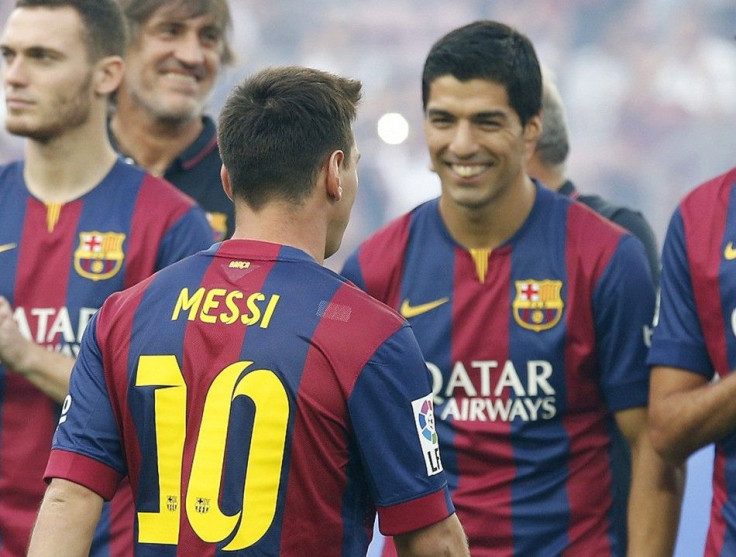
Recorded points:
(392, 413)
(86, 448)
(623, 302)
(188, 235)
(678, 339)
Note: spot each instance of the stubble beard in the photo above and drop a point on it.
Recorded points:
(68, 111)
(170, 115)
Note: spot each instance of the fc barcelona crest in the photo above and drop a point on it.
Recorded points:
(99, 255)
(538, 304)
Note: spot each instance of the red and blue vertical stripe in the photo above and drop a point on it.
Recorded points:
(53, 301)
(696, 329)
(349, 365)
(519, 483)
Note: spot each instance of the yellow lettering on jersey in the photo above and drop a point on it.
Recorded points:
(210, 303)
(163, 372)
(228, 307)
(265, 456)
(239, 264)
(267, 448)
(232, 317)
(269, 311)
(184, 303)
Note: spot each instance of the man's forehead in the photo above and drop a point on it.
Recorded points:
(478, 92)
(29, 28)
(182, 11)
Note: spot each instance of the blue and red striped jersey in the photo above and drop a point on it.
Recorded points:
(58, 263)
(696, 325)
(259, 404)
(531, 348)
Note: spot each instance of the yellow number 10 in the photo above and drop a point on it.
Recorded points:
(265, 457)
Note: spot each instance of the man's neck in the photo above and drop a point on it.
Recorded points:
(68, 166)
(152, 143)
(279, 223)
(490, 226)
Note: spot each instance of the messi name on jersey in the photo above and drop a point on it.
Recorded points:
(212, 305)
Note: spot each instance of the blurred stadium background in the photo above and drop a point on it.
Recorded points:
(650, 89)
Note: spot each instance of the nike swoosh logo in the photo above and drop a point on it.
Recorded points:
(409, 311)
(730, 252)
(7, 247)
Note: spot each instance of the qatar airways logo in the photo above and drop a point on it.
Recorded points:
(53, 327)
(490, 391)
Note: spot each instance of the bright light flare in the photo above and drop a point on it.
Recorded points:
(393, 128)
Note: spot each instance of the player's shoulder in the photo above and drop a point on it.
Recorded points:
(391, 236)
(393, 229)
(154, 190)
(593, 241)
(716, 190)
(583, 216)
(164, 191)
(368, 307)
(10, 167)
(583, 223)
(11, 173)
(163, 280)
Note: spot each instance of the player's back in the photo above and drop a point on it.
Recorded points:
(232, 376)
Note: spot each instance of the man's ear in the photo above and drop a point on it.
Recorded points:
(533, 129)
(108, 75)
(532, 133)
(334, 187)
(225, 177)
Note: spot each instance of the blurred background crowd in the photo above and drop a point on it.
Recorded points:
(649, 85)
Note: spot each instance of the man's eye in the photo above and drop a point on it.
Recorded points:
(168, 30)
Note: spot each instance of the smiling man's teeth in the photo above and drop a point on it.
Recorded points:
(181, 77)
(468, 171)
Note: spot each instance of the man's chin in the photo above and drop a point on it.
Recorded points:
(173, 108)
(468, 200)
(26, 131)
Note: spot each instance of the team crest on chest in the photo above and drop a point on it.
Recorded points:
(538, 304)
(99, 255)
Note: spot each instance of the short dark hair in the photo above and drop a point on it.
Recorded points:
(137, 12)
(492, 51)
(278, 127)
(104, 24)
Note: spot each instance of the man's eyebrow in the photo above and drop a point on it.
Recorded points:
(438, 112)
(30, 50)
(485, 114)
